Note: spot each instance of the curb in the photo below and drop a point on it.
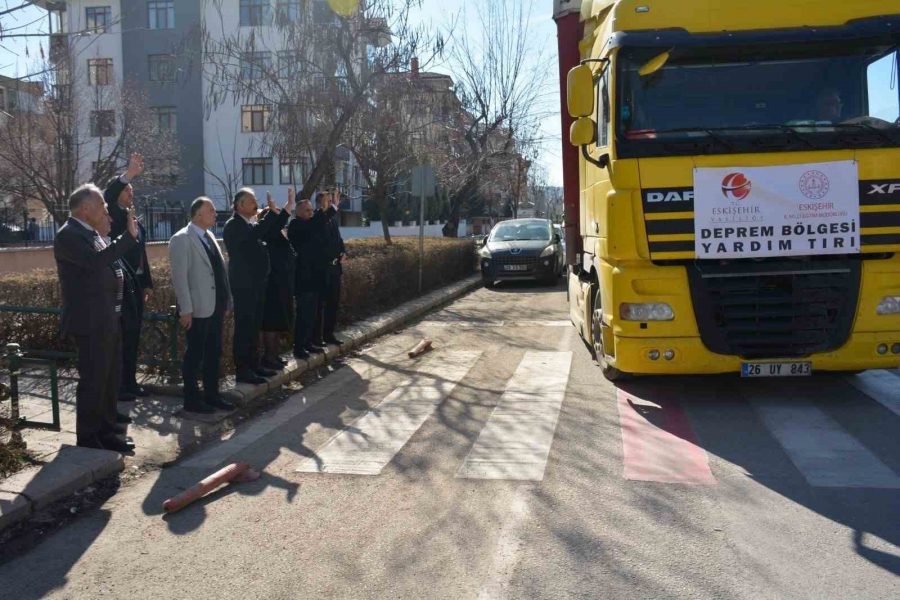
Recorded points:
(73, 468)
(65, 472)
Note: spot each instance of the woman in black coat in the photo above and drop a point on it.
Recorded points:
(278, 317)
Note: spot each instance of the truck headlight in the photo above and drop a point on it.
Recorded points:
(484, 253)
(651, 311)
(549, 251)
(889, 305)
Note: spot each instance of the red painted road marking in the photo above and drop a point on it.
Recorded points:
(664, 450)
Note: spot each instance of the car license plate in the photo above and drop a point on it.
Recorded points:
(515, 267)
(782, 369)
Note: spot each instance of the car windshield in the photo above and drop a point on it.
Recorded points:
(725, 99)
(527, 231)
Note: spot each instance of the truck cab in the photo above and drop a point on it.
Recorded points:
(738, 185)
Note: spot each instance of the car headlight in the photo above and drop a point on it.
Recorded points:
(651, 311)
(549, 251)
(889, 305)
(484, 253)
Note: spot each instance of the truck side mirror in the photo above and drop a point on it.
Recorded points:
(580, 91)
(583, 132)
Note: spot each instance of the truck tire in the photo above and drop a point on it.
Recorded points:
(611, 373)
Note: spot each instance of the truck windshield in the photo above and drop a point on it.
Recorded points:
(759, 99)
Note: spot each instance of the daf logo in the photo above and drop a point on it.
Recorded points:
(671, 196)
(884, 188)
(515, 250)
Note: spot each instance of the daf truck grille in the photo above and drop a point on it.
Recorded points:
(775, 309)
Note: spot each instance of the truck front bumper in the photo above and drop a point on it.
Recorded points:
(691, 357)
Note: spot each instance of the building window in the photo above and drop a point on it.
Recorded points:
(103, 123)
(162, 67)
(255, 118)
(98, 18)
(166, 119)
(256, 12)
(257, 171)
(293, 172)
(287, 64)
(289, 11)
(161, 15)
(255, 65)
(100, 71)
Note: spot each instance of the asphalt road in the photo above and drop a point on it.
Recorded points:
(502, 465)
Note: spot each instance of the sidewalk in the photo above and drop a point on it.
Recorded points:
(161, 431)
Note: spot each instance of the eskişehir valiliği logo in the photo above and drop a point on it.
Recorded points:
(736, 186)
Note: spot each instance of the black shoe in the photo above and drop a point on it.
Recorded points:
(264, 372)
(249, 377)
(197, 406)
(315, 349)
(125, 396)
(301, 354)
(271, 365)
(120, 418)
(333, 340)
(138, 391)
(120, 428)
(220, 403)
(116, 444)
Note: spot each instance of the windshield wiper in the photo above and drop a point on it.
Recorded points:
(710, 131)
(882, 133)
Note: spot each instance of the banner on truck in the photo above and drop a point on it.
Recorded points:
(791, 210)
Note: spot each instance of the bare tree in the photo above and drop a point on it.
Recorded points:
(64, 138)
(311, 68)
(499, 80)
(386, 135)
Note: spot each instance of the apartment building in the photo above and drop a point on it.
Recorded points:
(156, 46)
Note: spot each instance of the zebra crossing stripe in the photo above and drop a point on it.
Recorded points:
(881, 386)
(659, 444)
(515, 442)
(371, 441)
(822, 451)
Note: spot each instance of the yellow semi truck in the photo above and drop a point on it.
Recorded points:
(738, 180)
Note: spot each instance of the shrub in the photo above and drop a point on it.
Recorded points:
(376, 277)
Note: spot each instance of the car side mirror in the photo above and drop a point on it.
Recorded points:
(484, 240)
(556, 238)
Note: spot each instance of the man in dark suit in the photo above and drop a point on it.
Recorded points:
(333, 255)
(307, 236)
(201, 288)
(248, 272)
(119, 197)
(92, 293)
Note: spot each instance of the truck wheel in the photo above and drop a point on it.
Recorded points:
(611, 373)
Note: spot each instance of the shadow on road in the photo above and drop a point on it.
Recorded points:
(727, 425)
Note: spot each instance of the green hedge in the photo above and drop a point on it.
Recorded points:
(376, 277)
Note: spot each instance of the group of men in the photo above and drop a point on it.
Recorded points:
(277, 278)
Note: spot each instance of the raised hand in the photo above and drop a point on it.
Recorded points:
(135, 165)
(270, 204)
(291, 201)
(131, 223)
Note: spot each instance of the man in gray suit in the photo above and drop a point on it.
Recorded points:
(202, 291)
